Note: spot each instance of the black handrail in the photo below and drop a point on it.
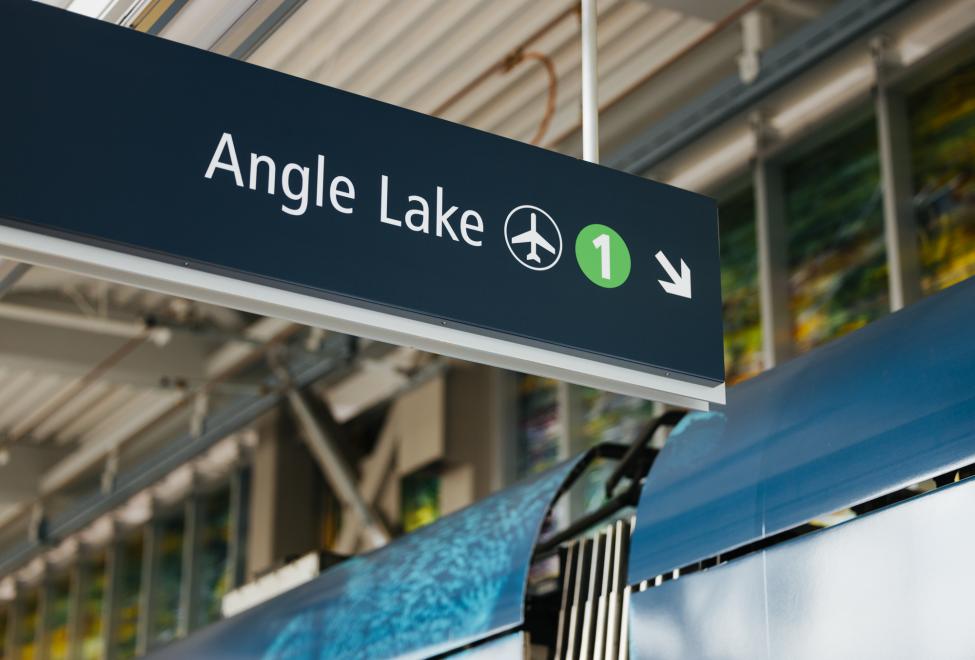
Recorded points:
(636, 461)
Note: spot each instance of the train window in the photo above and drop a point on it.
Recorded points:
(128, 585)
(59, 591)
(169, 570)
(817, 524)
(943, 163)
(92, 605)
(837, 259)
(739, 287)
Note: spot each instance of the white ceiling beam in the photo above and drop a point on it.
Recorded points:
(379, 42)
(97, 448)
(293, 40)
(50, 349)
(68, 321)
(10, 273)
(18, 409)
(708, 10)
(805, 10)
(201, 24)
(463, 54)
(518, 109)
(417, 53)
(635, 52)
(236, 352)
(312, 57)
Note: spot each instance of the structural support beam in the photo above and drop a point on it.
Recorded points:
(773, 266)
(148, 586)
(42, 637)
(239, 495)
(14, 621)
(77, 322)
(843, 23)
(900, 226)
(232, 417)
(321, 439)
(189, 575)
(756, 36)
(80, 576)
(48, 349)
(10, 273)
(113, 578)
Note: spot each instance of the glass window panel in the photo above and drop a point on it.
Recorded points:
(606, 417)
(538, 424)
(169, 573)
(27, 626)
(57, 617)
(943, 160)
(127, 597)
(92, 604)
(420, 497)
(837, 260)
(739, 288)
(214, 565)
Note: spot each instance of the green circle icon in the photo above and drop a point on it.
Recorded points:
(603, 256)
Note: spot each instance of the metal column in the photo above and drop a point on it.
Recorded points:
(590, 84)
(773, 265)
(189, 574)
(14, 616)
(42, 637)
(239, 495)
(900, 228)
(340, 476)
(79, 585)
(10, 274)
(148, 584)
(113, 576)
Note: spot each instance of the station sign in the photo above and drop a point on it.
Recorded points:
(137, 159)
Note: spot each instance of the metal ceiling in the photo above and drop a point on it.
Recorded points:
(90, 366)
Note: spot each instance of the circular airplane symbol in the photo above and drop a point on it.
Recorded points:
(533, 238)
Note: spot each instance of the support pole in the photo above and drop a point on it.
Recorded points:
(15, 619)
(894, 149)
(10, 274)
(336, 471)
(773, 266)
(80, 575)
(187, 615)
(239, 495)
(149, 584)
(590, 90)
(113, 566)
(42, 632)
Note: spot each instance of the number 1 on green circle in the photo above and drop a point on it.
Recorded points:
(603, 256)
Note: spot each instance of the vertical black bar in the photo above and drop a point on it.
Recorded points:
(568, 584)
(579, 598)
(589, 612)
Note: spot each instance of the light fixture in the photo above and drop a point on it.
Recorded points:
(93, 8)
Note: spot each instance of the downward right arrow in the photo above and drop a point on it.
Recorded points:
(679, 285)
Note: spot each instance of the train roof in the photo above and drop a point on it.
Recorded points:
(887, 406)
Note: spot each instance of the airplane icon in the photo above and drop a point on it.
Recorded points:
(549, 239)
(533, 238)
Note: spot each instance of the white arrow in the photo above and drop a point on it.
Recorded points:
(679, 285)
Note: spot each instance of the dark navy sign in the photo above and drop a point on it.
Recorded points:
(122, 140)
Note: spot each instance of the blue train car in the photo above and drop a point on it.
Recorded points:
(823, 513)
